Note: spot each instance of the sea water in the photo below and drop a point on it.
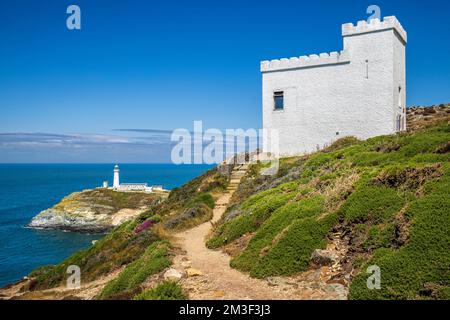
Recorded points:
(27, 189)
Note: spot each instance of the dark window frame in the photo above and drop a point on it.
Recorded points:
(276, 100)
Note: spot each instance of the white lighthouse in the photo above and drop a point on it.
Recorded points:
(116, 183)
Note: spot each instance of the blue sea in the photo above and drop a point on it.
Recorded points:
(27, 189)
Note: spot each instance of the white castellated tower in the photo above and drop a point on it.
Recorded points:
(359, 91)
(116, 183)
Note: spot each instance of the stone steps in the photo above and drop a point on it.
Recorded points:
(237, 174)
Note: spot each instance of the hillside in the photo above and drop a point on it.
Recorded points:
(310, 231)
(383, 202)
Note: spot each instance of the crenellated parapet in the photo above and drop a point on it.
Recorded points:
(312, 60)
(311, 101)
(391, 22)
(323, 59)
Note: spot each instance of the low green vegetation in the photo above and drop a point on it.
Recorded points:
(279, 223)
(293, 251)
(189, 218)
(167, 290)
(190, 204)
(154, 259)
(182, 197)
(110, 198)
(420, 269)
(371, 203)
(196, 211)
(203, 197)
(389, 194)
(379, 236)
(116, 249)
(255, 211)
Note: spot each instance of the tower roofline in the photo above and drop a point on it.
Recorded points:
(342, 57)
(374, 25)
(313, 60)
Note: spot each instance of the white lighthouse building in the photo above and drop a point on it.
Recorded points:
(360, 91)
(116, 183)
(129, 187)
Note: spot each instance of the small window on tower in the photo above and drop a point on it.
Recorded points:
(278, 97)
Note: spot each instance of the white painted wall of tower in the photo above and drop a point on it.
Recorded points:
(328, 96)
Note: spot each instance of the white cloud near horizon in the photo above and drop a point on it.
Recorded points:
(50, 147)
(125, 145)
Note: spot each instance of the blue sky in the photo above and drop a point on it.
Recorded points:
(160, 65)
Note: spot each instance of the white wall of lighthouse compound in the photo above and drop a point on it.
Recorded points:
(359, 91)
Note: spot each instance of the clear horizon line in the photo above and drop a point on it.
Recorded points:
(108, 163)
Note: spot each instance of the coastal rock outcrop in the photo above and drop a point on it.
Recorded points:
(172, 275)
(94, 211)
(323, 257)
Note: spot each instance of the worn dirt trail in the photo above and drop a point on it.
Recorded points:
(207, 273)
(217, 280)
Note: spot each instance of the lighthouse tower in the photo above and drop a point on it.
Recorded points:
(116, 183)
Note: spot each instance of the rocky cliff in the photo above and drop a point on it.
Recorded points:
(420, 116)
(97, 210)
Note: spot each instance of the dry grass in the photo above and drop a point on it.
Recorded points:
(338, 191)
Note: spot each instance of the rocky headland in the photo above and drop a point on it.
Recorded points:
(94, 211)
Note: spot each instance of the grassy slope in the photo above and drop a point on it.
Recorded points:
(108, 198)
(373, 188)
(167, 290)
(125, 247)
(391, 192)
(421, 267)
(154, 259)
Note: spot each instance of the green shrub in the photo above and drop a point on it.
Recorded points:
(342, 143)
(118, 200)
(292, 252)
(371, 203)
(380, 236)
(183, 197)
(319, 160)
(154, 259)
(397, 214)
(256, 210)
(412, 148)
(423, 259)
(203, 197)
(279, 220)
(207, 182)
(155, 218)
(118, 248)
(189, 218)
(167, 290)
